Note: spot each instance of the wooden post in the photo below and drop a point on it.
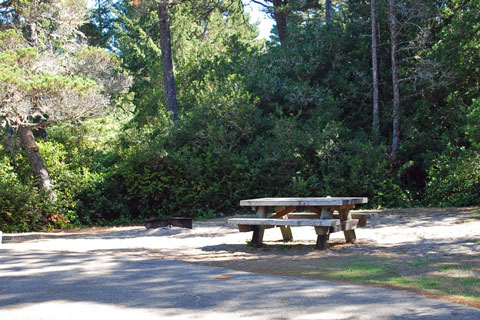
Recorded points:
(257, 238)
(286, 230)
(258, 231)
(322, 241)
(323, 234)
(350, 236)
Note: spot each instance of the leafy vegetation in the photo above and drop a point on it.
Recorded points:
(256, 118)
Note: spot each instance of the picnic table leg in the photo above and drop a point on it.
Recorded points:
(258, 231)
(350, 236)
(323, 233)
(286, 230)
(257, 238)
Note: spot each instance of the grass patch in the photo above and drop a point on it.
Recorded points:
(421, 262)
(449, 267)
(365, 269)
(466, 287)
(426, 283)
(400, 281)
(427, 275)
(463, 287)
(366, 273)
(471, 282)
(423, 283)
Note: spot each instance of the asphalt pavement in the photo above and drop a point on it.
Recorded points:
(71, 285)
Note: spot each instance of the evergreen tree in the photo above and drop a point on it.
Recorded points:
(48, 73)
(202, 44)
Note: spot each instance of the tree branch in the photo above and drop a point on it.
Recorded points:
(261, 4)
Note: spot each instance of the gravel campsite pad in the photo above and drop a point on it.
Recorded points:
(432, 251)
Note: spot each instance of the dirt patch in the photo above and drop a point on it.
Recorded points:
(431, 251)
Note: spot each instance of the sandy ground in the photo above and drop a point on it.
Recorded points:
(405, 233)
(449, 235)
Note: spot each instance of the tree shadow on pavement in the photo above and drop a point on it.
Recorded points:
(169, 288)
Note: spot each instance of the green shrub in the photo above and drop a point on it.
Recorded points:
(454, 179)
(20, 204)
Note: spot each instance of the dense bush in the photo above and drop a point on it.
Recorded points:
(77, 157)
(20, 204)
(225, 150)
(454, 179)
(23, 207)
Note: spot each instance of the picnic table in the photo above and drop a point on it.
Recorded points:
(316, 212)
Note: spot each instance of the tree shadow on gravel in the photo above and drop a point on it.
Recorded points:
(432, 249)
(422, 217)
(94, 235)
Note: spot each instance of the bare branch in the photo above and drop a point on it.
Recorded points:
(261, 4)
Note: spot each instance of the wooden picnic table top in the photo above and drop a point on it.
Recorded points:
(299, 202)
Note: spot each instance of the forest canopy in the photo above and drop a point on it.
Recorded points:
(141, 109)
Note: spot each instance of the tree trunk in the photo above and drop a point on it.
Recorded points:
(100, 21)
(328, 10)
(376, 121)
(396, 90)
(28, 140)
(32, 36)
(99, 16)
(167, 62)
(280, 16)
(36, 161)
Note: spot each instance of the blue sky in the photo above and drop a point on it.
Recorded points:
(256, 14)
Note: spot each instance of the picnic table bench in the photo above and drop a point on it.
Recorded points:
(318, 213)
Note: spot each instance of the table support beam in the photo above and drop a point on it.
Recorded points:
(258, 231)
(322, 242)
(323, 235)
(282, 211)
(286, 230)
(350, 236)
(257, 238)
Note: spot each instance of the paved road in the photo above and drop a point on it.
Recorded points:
(69, 285)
